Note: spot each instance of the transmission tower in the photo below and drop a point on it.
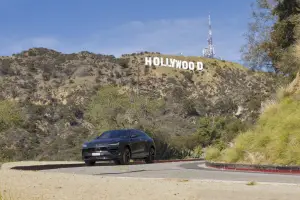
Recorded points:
(209, 51)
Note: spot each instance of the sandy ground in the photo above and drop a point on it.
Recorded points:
(26, 185)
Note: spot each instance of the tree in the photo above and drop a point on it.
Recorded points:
(254, 53)
(284, 36)
(272, 36)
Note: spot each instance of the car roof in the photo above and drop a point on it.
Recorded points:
(121, 130)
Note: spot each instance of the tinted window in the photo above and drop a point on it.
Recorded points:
(146, 135)
(135, 133)
(114, 134)
(141, 134)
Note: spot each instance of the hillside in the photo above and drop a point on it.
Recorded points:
(275, 138)
(56, 97)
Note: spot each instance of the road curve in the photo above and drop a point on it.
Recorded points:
(180, 170)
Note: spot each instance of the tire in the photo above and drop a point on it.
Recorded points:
(125, 156)
(90, 163)
(151, 156)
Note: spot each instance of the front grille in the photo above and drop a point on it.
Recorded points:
(101, 149)
(91, 150)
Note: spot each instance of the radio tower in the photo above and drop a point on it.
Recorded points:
(209, 52)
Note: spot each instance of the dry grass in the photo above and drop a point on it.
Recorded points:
(297, 50)
(251, 183)
(5, 196)
(275, 139)
(268, 104)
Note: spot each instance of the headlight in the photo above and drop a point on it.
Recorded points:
(114, 144)
(84, 145)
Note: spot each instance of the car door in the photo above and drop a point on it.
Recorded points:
(134, 144)
(144, 150)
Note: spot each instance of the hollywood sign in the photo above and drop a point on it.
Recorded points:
(170, 62)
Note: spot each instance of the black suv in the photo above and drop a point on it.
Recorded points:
(119, 146)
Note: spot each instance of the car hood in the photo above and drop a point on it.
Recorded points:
(103, 141)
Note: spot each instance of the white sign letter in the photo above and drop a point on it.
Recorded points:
(167, 63)
(172, 62)
(148, 61)
(191, 66)
(200, 66)
(162, 62)
(178, 64)
(156, 61)
(185, 65)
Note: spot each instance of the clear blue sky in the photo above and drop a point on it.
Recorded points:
(119, 26)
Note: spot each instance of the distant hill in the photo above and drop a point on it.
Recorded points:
(54, 89)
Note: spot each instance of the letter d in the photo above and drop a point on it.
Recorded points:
(199, 66)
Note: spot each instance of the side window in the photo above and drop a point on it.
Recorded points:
(138, 133)
(127, 134)
(142, 134)
(135, 134)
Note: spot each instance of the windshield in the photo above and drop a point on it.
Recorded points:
(114, 134)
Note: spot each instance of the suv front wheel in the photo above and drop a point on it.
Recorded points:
(125, 156)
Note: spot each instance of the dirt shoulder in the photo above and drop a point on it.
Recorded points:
(26, 185)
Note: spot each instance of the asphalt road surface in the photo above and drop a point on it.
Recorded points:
(180, 170)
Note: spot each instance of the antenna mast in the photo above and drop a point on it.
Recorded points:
(209, 52)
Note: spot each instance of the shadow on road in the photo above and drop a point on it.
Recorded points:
(58, 166)
(135, 171)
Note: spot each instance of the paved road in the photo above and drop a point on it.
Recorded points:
(182, 170)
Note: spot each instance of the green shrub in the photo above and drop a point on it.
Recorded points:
(10, 115)
(212, 154)
(274, 140)
(110, 109)
(124, 62)
(197, 152)
(231, 155)
(218, 130)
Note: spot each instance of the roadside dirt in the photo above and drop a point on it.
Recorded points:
(27, 185)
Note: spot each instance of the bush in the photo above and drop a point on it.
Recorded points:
(218, 130)
(124, 62)
(274, 140)
(10, 115)
(5, 67)
(189, 107)
(197, 152)
(231, 155)
(188, 76)
(111, 109)
(212, 154)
